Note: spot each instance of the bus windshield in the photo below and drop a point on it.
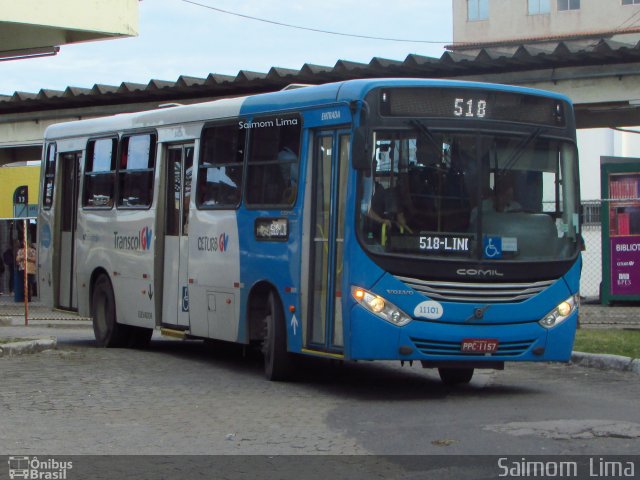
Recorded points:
(478, 196)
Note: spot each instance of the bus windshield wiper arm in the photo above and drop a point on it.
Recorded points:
(515, 156)
(426, 133)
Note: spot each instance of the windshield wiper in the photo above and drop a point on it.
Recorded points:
(515, 156)
(426, 133)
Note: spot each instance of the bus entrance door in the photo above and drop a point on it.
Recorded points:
(331, 165)
(67, 294)
(175, 302)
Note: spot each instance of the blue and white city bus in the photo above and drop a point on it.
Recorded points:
(381, 219)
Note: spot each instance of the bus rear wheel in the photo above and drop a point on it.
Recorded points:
(455, 376)
(277, 361)
(107, 330)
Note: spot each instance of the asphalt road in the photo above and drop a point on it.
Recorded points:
(195, 398)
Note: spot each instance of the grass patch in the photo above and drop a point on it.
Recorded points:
(615, 342)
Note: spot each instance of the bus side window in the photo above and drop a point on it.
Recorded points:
(220, 169)
(274, 152)
(99, 173)
(135, 173)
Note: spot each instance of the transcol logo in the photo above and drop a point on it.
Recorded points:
(142, 241)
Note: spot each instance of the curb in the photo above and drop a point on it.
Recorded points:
(28, 346)
(606, 362)
(18, 321)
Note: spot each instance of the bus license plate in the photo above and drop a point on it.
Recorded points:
(474, 345)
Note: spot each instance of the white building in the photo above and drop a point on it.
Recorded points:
(504, 23)
(495, 22)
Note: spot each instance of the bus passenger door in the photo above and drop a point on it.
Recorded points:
(330, 169)
(66, 265)
(175, 302)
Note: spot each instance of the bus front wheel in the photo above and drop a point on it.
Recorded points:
(107, 330)
(455, 376)
(277, 361)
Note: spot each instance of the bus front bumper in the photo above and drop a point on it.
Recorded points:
(375, 339)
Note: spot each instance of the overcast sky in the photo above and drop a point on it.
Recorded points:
(179, 38)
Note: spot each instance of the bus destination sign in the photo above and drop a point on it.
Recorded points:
(432, 243)
(467, 103)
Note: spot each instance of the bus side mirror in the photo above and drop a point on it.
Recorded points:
(360, 150)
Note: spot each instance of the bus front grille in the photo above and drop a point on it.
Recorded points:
(477, 292)
(440, 348)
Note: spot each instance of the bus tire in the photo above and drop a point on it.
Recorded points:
(455, 376)
(108, 332)
(277, 361)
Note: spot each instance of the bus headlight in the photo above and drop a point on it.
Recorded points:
(561, 312)
(380, 307)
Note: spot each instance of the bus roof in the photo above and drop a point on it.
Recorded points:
(290, 99)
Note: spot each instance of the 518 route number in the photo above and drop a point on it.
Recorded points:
(470, 108)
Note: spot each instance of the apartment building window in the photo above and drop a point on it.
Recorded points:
(539, 7)
(568, 5)
(630, 2)
(477, 10)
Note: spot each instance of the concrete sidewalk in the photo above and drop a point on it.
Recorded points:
(37, 311)
(45, 327)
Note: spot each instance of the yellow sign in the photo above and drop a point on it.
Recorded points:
(10, 179)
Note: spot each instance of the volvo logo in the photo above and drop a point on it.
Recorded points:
(478, 313)
(473, 272)
(400, 292)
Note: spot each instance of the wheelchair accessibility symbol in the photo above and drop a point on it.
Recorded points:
(492, 247)
(185, 299)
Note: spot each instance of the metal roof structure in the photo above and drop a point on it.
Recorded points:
(535, 64)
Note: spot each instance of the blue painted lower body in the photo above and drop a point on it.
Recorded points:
(374, 339)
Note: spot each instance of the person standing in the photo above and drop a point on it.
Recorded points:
(7, 257)
(31, 265)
